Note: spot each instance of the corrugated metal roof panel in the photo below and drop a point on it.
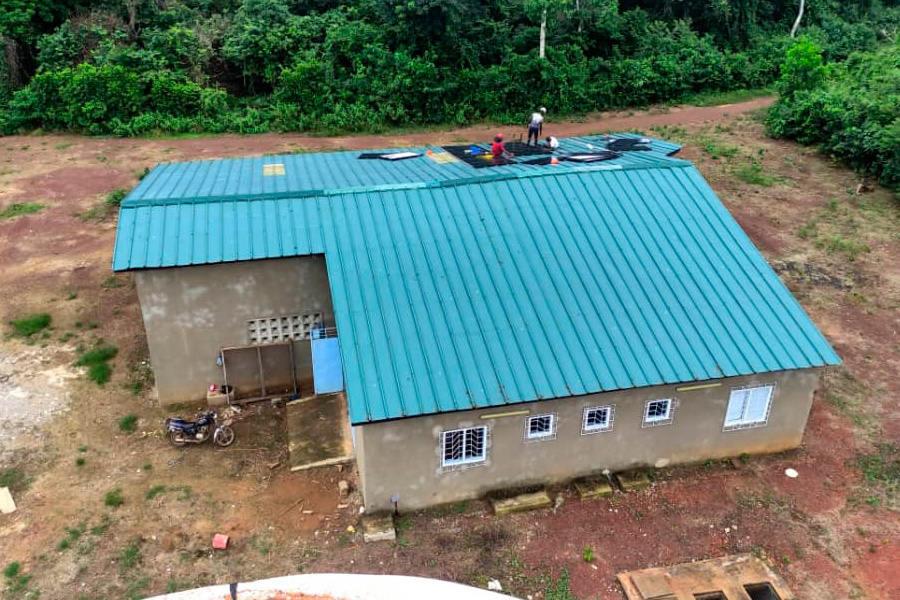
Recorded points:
(557, 283)
(316, 172)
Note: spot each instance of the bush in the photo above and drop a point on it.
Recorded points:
(849, 110)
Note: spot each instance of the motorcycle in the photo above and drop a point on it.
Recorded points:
(182, 432)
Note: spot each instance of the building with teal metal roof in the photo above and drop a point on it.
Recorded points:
(457, 291)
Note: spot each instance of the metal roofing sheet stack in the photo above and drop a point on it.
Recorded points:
(545, 284)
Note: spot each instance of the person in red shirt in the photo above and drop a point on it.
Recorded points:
(499, 150)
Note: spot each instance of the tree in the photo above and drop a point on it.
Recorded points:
(799, 16)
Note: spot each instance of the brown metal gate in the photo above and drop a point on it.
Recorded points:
(259, 372)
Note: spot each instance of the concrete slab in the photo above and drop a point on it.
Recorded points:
(593, 488)
(727, 576)
(379, 528)
(521, 503)
(633, 480)
(653, 585)
(7, 505)
(318, 430)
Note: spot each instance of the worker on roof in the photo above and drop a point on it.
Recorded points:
(498, 149)
(551, 143)
(536, 125)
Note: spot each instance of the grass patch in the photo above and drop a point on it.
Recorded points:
(184, 491)
(79, 462)
(101, 527)
(131, 555)
(114, 498)
(128, 423)
(16, 581)
(155, 491)
(13, 479)
(716, 150)
(837, 243)
(882, 466)
(97, 362)
(752, 172)
(19, 209)
(30, 325)
(112, 282)
(729, 97)
(115, 197)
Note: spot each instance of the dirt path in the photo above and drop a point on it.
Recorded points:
(236, 145)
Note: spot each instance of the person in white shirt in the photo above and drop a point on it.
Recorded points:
(551, 143)
(536, 125)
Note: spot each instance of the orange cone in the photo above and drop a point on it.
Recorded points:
(554, 161)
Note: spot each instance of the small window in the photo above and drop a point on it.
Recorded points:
(463, 446)
(748, 407)
(540, 427)
(658, 412)
(597, 419)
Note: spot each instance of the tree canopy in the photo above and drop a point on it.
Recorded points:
(132, 67)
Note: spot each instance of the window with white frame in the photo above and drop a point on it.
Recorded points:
(596, 419)
(540, 427)
(463, 446)
(748, 407)
(283, 329)
(658, 412)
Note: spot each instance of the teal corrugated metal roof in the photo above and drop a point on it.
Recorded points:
(335, 171)
(543, 284)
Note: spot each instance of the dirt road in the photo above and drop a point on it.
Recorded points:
(832, 533)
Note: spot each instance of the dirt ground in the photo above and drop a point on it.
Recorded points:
(833, 533)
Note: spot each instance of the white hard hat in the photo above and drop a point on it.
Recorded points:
(543, 110)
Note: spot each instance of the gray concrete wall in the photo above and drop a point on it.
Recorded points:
(403, 457)
(190, 313)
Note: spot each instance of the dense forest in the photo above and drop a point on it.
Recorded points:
(134, 67)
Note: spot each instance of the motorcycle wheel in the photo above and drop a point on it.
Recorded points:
(224, 436)
(177, 438)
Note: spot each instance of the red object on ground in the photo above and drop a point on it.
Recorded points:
(220, 541)
(554, 161)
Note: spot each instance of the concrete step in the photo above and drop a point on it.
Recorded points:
(521, 503)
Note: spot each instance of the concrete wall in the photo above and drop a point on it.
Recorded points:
(403, 457)
(190, 313)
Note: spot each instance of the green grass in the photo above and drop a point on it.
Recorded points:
(836, 243)
(112, 282)
(97, 362)
(101, 528)
(155, 491)
(12, 570)
(128, 423)
(20, 209)
(115, 197)
(559, 589)
(730, 97)
(131, 555)
(114, 498)
(79, 462)
(30, 325)
(752, 172)
(13, 479)
(16, 581)
(881, 466)
(716, 150)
